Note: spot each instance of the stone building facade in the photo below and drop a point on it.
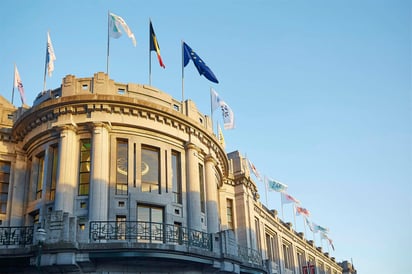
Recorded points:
(106, 177)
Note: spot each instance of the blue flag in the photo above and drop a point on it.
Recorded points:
(201, 66)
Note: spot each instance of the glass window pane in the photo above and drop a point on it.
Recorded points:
(122, 163)
(143, 213)
(157, 215)
(84, 178)
(85, 167)
(150, 170)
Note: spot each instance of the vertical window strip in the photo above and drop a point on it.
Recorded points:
(40, 176)
(4, 185)
(257, 228)
(84, 167)
(122, 161)
(176, 177)
(202, 189)
(229, 213)
(53, 175)
(167, 177)
(134, 164)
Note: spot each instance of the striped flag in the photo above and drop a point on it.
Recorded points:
(154, 45)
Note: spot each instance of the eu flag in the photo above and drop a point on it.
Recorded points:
(201, 66)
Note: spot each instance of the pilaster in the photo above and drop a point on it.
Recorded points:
(211, 195)
(67, 176)
(99, 181)
(193, 187)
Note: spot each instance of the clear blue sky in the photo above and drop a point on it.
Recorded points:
(321, 91)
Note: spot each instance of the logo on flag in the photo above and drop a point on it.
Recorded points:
(115, 22)
(276, 186)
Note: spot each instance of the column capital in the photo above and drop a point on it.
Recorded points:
(211, 159)
(190, 145)
(96, 125)
(73, 127)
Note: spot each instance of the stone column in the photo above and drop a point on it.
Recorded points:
(211, 196)
(16, 201)
(193, 187)
(67, 170)
(99, 177)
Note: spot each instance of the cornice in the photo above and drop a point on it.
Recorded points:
(50, 111)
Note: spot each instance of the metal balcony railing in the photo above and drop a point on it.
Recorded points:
(16, 235)
(148, 232)
(250, 255)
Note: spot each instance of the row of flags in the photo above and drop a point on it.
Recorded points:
(117, 23)
(48, 69)
(116, 26)
(274, 185)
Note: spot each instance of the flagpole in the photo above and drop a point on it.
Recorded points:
(211, 111)
(108, 42)
(304, 225)
(150, 55)
(294, 214)
(183, 75)
(45, 65)
(281, 203)
(14, 81)
(266, 190)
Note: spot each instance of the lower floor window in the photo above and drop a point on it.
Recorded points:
(150, 222)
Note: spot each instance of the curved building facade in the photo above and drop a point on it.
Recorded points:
(105, 177)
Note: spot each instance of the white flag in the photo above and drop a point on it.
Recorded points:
(228, 116)
(115, 22)
(287, 199)
(215, 99)
(50, 56)
(19, 84)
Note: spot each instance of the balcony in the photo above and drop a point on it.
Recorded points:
(148, 232)
(16, 236)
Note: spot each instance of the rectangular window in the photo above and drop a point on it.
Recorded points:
(122, 162)
(40, 176)
(121, 227)
(84, 167)
(257, 228)
(150, 169)
(272, 246)
(150, 223)
(301, 259)
(287, 255)
(53, 174)
(4, 185)
(229, 214)
(202, 189)
(176, 177)
(35, 217)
